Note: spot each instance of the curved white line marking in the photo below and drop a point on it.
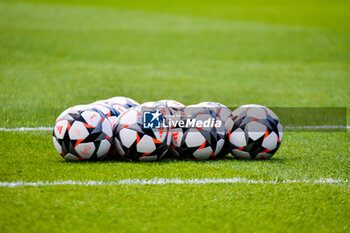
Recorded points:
(163, 181)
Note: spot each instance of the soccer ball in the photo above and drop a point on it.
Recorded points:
(135, 142)
(110, 113)
(254, 132)
(121, 103)
(172, 105)
(224, 113)
(198, 141)
(74, 108)
(166, 107)
(171, 110)
(82, 133)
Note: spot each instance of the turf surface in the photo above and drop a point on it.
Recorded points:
(285, 53)
(174, 208)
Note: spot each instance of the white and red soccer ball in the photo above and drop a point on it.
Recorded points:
(82, 133)
(253, 132)
(108, 111)
(119, 103)
(171, 110)
(200, 136)
(116, 126)
(224, 114)
(135, 142)
(172, 105)
(223, 111)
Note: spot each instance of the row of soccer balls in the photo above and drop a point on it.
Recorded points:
(114, 128)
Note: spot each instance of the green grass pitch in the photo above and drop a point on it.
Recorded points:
(55, 54)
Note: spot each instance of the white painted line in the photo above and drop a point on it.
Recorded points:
(163, 181)
(43, 128)
(318, 127)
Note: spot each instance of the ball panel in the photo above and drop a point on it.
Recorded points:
(146, 145)
(229, 123)
(258, 113)
(119, 108)
(123, 102)
(177, 135)
(112, 120)
(91, 117)
(107, 128)
(118, 147)
(127, 137)
(160, 134)
(280, 131)
(270, 142)
(203, 154)
(175, 104)
(78, 131)
(169, 137)
(129, 117)
(101, 107)
(85, 150)
(194, 138)
(238, 111)
(71, 157)
(223, 111)
(241, 154)
(57, 145)
(238, 138)
(255, 130)
(60, 128)
(219, 146)
(103, 149)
